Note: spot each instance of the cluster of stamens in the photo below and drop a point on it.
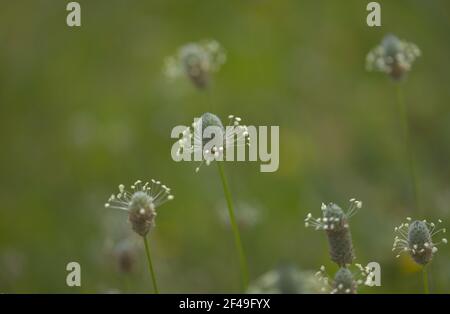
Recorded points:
(393, 57)
(194, 139)
(416, 238)
(141, 203)
(333, 219)
(344, 281)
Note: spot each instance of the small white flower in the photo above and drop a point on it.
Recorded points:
(393, 57)
(197, 61)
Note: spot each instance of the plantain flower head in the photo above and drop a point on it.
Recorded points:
(393, 56)
(141, 203)
(208, 140)
(197, 61)
(344, 281)
(416, 238)
(335, 222)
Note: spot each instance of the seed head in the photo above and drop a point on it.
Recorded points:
(195, 138)
(336, 224)
(141, 203)
(197, 61)
(416, 238)
(393, 56)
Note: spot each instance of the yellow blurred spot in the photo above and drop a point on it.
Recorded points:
(407, 264)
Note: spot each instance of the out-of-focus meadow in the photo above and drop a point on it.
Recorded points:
(85, 109)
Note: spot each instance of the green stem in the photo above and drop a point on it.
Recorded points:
(426, 290)
(234, 226)
(407, 137)
(150, 265)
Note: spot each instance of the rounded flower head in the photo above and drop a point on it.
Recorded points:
(209, 139)
(416, 238)
(336, 224)
(393, 57)
(141, 203)
(197, 61)
(344, 281)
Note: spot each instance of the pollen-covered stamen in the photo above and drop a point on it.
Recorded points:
(323, 279)
(355, 205)
(236, 135)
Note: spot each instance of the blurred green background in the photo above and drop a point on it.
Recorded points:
(84, 109)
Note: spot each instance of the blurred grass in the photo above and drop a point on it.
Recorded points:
(85, 109)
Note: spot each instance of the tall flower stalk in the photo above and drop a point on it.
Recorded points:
(210, 140)
(395, 58)
(141, 203)
(235, 228)
(150, 265)
(403, 111)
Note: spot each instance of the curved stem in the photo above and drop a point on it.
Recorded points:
(426, 290)
(408, 143)
(234, 226)
(150, 265)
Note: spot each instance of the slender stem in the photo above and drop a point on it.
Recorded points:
(150, 265)
(426, 290)
(234, 226)
(408, 143)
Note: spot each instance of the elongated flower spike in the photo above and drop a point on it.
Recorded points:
(344, 281)
(197, 61)
(194, 140)
(393, 56)
(335, 222)
(416, 238)
(141, 203)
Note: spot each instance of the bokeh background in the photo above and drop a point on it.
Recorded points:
(85, 109)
